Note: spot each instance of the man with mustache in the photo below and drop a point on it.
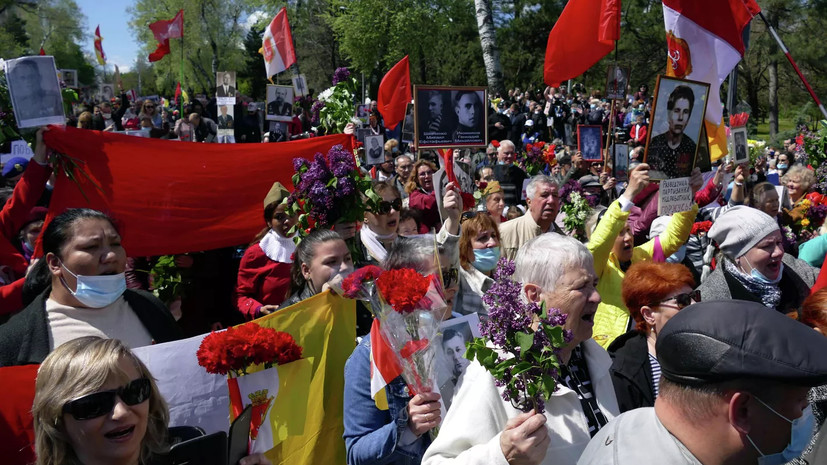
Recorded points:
(673, 152)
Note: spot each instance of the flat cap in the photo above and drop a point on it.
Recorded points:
(721, 340)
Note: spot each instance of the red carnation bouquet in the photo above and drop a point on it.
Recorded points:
(254, 358)
(409, 308)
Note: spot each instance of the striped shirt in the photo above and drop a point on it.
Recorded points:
(653, 362)
(575, 376)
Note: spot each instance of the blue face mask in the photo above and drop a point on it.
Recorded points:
(97, 291)
(759, 277)
(782, 166)
(800, 436)
(486, 260)
(678, 256)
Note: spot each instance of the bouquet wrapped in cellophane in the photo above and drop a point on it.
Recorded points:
(409, 308)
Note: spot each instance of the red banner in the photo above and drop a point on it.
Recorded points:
(172, 197)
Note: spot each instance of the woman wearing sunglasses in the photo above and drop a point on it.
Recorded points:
(264, 273)
(653, 293)
(150, 109)
(79, 289)
(379, 229)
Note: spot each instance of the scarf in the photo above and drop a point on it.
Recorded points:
(277, 248)
(373, 243)
(770, 294)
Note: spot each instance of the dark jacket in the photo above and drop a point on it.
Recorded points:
(24, 339)
(99, 124)
(631, 372)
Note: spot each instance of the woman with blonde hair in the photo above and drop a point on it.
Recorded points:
(85, 120)
(422, 197)
(96, 402)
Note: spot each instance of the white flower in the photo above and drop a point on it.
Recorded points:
(326, 94)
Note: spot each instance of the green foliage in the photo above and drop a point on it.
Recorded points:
(339, 105)
(167, 283)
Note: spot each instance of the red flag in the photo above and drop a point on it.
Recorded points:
(177, 91)
(447, 157)
(162, 198)
(42, 52)
(583, 34)
(395, 93)
(16, 422)
(164, 30)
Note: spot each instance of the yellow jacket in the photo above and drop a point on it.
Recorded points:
(612, 317)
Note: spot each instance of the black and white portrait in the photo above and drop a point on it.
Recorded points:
(300, 85)
(35, 91)
(740, 149)
(616, 81)
(450, 116)
(451, 361)
(279, 103)
(279, 131)
(675, 130)
(408, 125)
(374, 150)
(363, 113)
(225, 86)
(620, 153)
(362, 133)
(69, 77)
(590, 141)
(107, 92)
(226, 124)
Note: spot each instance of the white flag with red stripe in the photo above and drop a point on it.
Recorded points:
(277, 45)
(705, 43)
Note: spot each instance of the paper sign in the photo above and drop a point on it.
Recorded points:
(19, 148)
(674, 196)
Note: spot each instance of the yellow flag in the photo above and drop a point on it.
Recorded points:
(325, 327)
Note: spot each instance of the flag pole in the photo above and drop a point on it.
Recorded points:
(792, 62)
(181, 79)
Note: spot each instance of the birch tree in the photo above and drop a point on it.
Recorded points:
(490, 52)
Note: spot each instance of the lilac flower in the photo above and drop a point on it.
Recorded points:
(568, 188)
(340, 75)
(298, 163)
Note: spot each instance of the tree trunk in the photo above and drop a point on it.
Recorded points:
(490, 52)
(772, 108)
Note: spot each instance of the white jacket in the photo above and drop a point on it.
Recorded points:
(470, 433)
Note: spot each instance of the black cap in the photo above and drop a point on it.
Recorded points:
(722, 340)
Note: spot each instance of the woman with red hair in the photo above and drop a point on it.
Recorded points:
(653, 293)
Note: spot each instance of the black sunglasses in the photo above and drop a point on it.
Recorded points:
(385, 206)
(684, 300)
(449, 276)
(100, 403)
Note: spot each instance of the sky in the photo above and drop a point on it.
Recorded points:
(120, 47)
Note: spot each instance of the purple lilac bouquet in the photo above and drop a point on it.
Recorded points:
(340, 75)
(526, 339)
(328, 191)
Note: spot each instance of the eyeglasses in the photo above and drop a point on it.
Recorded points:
(449, 276)
(471, 214)
(682, 300)
(385, 206)
(149, 107)
(100, 403)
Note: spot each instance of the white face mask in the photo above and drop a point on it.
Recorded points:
(801, 433)
(97, 291)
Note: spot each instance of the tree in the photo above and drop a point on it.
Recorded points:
(490, 52)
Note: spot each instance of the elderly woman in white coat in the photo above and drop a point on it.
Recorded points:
(482, 428)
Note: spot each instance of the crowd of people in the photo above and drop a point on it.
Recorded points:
(696, 337)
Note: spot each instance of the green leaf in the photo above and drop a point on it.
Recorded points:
(525, 341)
(543, 310)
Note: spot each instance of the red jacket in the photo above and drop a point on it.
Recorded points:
(25, 196)
(426, 203)
(261, 281)
(638, 134)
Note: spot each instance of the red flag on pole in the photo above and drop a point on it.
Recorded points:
(42, 52)
(395, 93)
(448, 158)
(584, 33)
(277, 45)
(164, 30)
(177, 92)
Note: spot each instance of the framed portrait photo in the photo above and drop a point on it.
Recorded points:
(617, 78)
(450, 361)
(374, 150)
(738, 141)
(34, 90)
(363, 113)
(675, 129)
(590, 141)
(300, 85)
(447, 116)
(69, 77)
(620, 165)
(225, 87)
(408, 125)
(279, 103)
(279, 131)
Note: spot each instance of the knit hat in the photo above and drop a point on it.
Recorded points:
(740, 228)
(15, 166)
(277, 194)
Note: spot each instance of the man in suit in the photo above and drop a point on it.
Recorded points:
(225, 121)
(225, 90)
(278, 106)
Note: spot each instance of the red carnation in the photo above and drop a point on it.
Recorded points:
(495, 143)
(353, 283)
(402, 288)
(701, 226)
(468, 201)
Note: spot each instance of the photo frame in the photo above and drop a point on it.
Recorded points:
(450, 361)
(279, 131)
(34, 90)
(738, 142)
(590, 141)
(279, 103)
(362, 133)
(448, 116)
(300, 85)
(374, 150)
(225, 87)
(106, 93)
(225, 120)
(363, 113)
(675, 130)
(617, 79)
(620, 163)
(69, 77)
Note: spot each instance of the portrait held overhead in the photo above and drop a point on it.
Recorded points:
(590, 142)
(225, 89)
(35, 91)
(450, 116)
(279, 103)
(617, 79)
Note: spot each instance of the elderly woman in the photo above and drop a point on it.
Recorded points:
(264, 273)
(494, 201)
(81, 291)
(653, 293)
(397, 433)
(482, 428)
(798, 181)
(612, 243)
(479, 252)
(752, 264)
(421, 195)
(764, 197)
